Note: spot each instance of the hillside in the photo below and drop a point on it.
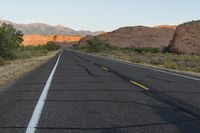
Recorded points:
(35, 39)
(45, 29)
(137, 36)
(187, 38)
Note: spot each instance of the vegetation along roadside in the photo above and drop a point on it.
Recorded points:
(161, 58)
(16, 59)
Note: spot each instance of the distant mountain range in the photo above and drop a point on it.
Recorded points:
(45, 29)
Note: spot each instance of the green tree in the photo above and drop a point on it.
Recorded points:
(10, 39)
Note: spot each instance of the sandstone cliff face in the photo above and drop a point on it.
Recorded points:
(36, 39)
(187, 38)
(138, 36)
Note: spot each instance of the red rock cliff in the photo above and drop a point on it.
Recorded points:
(35, 39)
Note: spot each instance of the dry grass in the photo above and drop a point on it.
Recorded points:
(17, 68)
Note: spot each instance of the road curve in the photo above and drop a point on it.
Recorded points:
(89, 94)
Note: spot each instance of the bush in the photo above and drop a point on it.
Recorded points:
(10, 39)
(22, 54)
(50, 46)
(95, 45)
(1, 61)
(146, 50)
(80, 48)
(170, 64)
(197, 69)
(156, 61)
(166, 50)
(136, 60)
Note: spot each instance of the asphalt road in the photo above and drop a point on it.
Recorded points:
(88, 94)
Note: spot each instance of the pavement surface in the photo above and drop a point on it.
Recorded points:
(90, 94)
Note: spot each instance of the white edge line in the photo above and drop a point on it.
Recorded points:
(40, 104)
(144, 67)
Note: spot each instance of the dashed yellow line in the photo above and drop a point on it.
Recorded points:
(140, 85)
(104, 68)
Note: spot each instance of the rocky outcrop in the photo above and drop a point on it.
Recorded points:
(35, 39)
(187, 38)
(137, 36)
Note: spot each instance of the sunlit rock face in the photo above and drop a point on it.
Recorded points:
(35, 39)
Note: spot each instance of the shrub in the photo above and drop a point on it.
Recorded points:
(79, 47)
(21, 54)
(135, 59)
(170, 64)
(146, 50)
(1, 61)
(50, 46)
(156, 61)
(197, 69)
(95, 45)
(10, 39)
(166, 50)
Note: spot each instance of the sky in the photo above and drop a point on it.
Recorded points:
(100, 15)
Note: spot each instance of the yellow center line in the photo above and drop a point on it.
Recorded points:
(140, 85)
(104, 68)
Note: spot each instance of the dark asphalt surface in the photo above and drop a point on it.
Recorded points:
(86, 98)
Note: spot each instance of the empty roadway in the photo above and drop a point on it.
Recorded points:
(89, 94)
